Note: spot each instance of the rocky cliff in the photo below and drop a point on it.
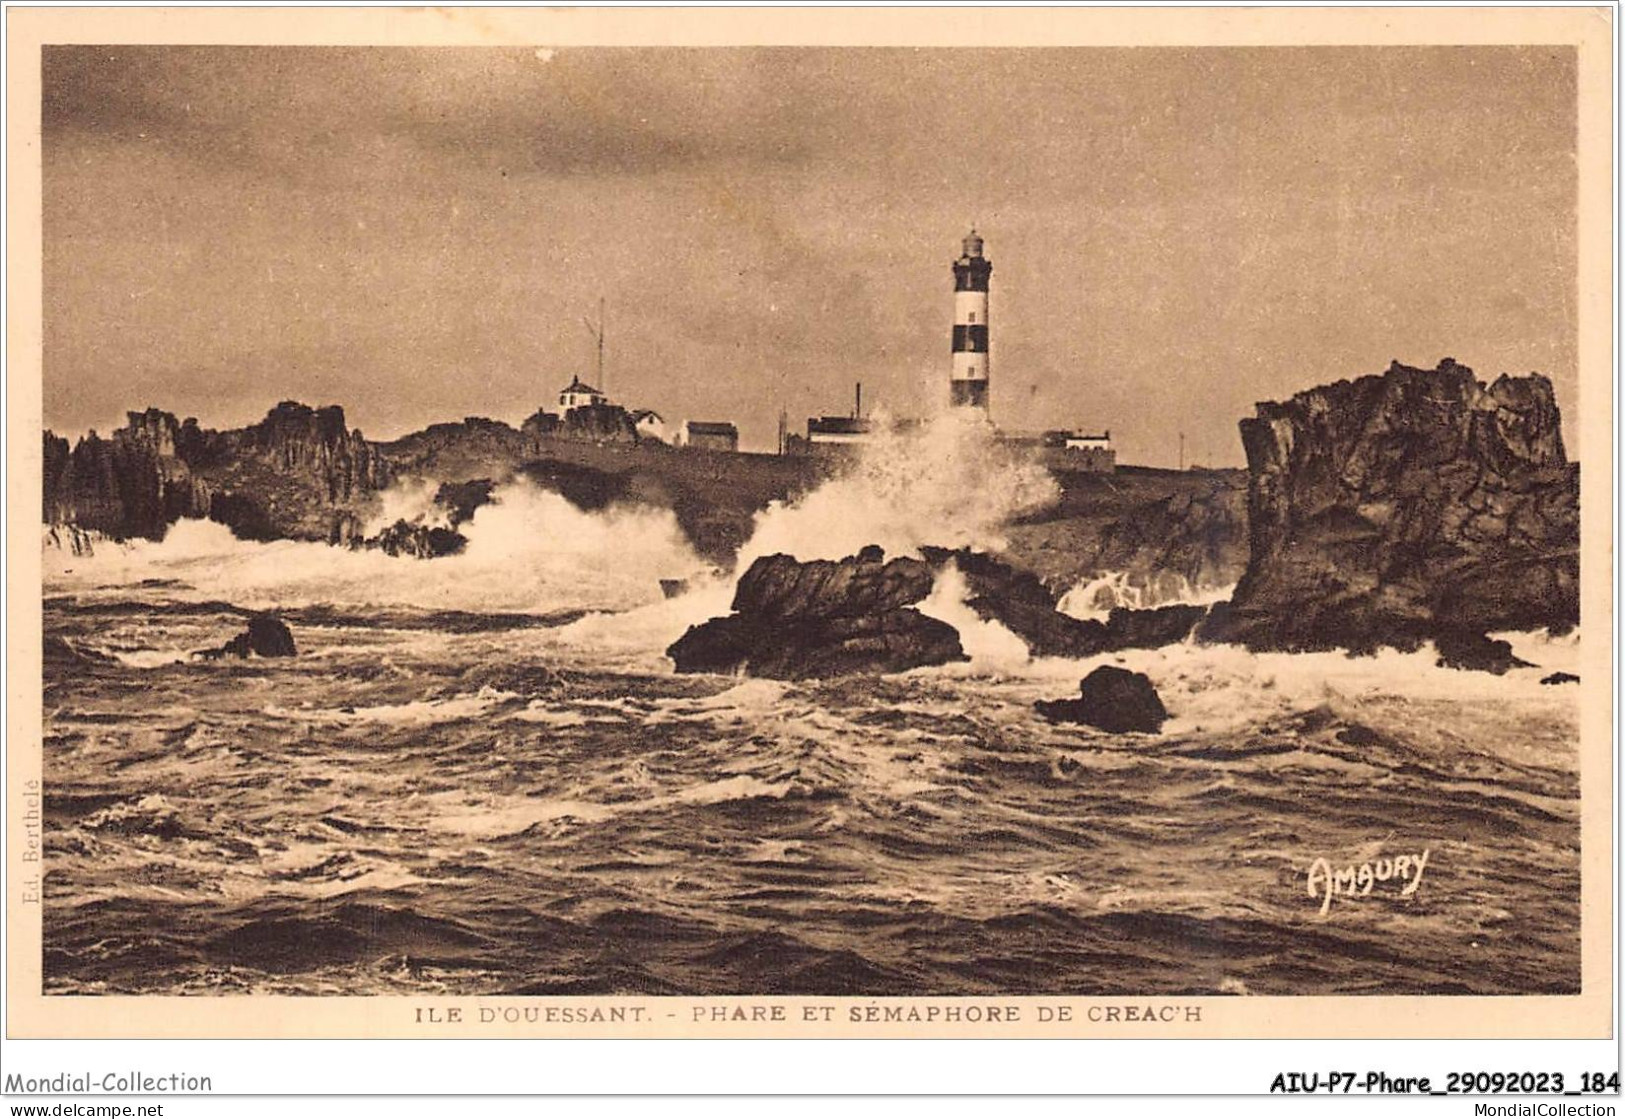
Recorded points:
(481, 447)
(457, 452)
(300, 473)
(1405, 507)
(1162, 533)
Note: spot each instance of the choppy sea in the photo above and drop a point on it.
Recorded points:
(480, 775)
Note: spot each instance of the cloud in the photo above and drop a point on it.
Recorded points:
(308, 112)
(1177, 233)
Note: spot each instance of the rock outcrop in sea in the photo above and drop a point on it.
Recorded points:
(794, 620)
(407, 538)
(266, 636)
(433, 533)
(856, 615)
(1112, 699)
(1413, 506)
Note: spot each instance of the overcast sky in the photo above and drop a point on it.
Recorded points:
(1176, 234)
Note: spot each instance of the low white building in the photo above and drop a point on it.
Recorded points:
(843, 431)
(1080, 450)
(650, 425)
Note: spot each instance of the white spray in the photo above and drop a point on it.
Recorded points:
(948, 483)
(529, 550)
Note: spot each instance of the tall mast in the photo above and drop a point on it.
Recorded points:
(597, 331)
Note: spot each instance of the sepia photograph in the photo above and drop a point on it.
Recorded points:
(588, 525)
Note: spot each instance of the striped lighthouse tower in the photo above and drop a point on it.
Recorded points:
(968, 381)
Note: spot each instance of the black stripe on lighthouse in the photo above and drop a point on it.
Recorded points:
(972, 275)
(970, 339)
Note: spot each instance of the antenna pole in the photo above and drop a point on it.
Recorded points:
(1182, 450)
(602, 384)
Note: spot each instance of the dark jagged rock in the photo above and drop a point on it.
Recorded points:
(591, 423)
(895, 641)
(1151, 629)
(297, 474)
(291, 475)
(132, 485)
(462, 500)
(404, 538)
(1412, 506)
(72, 539)
(1560, 678)
(598, 423)
(833, 617)
(794, 620)
(266, 636)
(1020, 602)
(422, 540)
(1113, 699)
(724, 645)
(779, 587)
(1189, 539)
(312, 444)
(1476, 651)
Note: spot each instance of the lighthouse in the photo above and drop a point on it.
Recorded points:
(968, 380)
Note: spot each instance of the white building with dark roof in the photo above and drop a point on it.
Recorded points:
(579, 394)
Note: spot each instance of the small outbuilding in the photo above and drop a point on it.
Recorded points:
(706, 435)
(649, 425)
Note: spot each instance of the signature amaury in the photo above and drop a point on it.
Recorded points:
(1326, 883)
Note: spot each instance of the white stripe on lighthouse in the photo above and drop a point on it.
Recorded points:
(969, 367)
(970, 308)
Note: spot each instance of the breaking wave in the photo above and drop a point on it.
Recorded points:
(1097, 597)
(529, 550)
(948, 483)
(411, 500)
